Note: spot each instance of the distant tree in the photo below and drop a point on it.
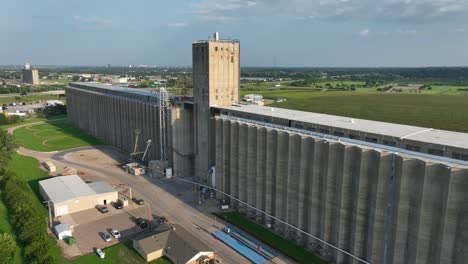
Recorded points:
(75, 78)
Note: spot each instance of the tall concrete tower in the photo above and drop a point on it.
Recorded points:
(30, 76)
(216, 82)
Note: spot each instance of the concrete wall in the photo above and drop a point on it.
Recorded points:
(113, 119)
(86, 202)
(181, 135)
(150, 256)
(382, 207)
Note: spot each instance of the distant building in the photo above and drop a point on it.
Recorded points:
(256, 99)
(30, 76)
(54, 102)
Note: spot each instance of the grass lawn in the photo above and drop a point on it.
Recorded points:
(51, 136)
(25, 121)
(446, 112)
(122, 253)
(277, 242)
(33, 119)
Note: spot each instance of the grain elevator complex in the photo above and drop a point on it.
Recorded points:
(386, 193)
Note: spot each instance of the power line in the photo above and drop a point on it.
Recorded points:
(267, 214)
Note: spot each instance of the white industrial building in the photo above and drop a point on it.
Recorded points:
(70, 194)
(256, 99)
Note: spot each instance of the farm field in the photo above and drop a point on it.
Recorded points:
(446, 112)
(443, 90)
(52, 136)
(287, 85)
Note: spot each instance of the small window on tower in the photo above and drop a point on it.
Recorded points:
(232, 58)
(216, 48)
(221, 48)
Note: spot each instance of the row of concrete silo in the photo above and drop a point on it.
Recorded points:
(382, 207)
(114, 119)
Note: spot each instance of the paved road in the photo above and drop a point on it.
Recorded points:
(162, 196)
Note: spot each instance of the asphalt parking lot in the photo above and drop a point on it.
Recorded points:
(88, 224)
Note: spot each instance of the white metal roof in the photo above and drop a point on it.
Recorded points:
(64, 188)
(101, 187)
(61, 228)
(425, 135)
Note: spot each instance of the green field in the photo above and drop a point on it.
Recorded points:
(442, 90)
(287, 247)
(446, 112)
(52, 136)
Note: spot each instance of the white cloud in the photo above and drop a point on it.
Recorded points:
(460, 30)
(177, 24)
(208, 6)
(394, 11)
(218, 18)
(364, 32)
(93, 20)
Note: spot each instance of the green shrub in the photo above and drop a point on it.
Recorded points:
(7, 248)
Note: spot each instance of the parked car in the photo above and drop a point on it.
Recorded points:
(142, 223)
(118, 205)
(106, 237)
(103, 209)
(162, 220)
(100, 253)
(115, 233)
(139, 201)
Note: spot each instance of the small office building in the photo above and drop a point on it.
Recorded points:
(175, 243)
(70, 194)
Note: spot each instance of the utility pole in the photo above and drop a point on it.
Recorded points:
(149, 211)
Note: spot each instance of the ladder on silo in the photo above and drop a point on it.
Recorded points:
(163, 104)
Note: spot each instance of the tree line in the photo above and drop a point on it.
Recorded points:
(30, 225)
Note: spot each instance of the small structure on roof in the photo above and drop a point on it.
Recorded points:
(175, 243)
(70, 194)
(62, 231)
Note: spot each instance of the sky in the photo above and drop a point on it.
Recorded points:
(286, 33)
